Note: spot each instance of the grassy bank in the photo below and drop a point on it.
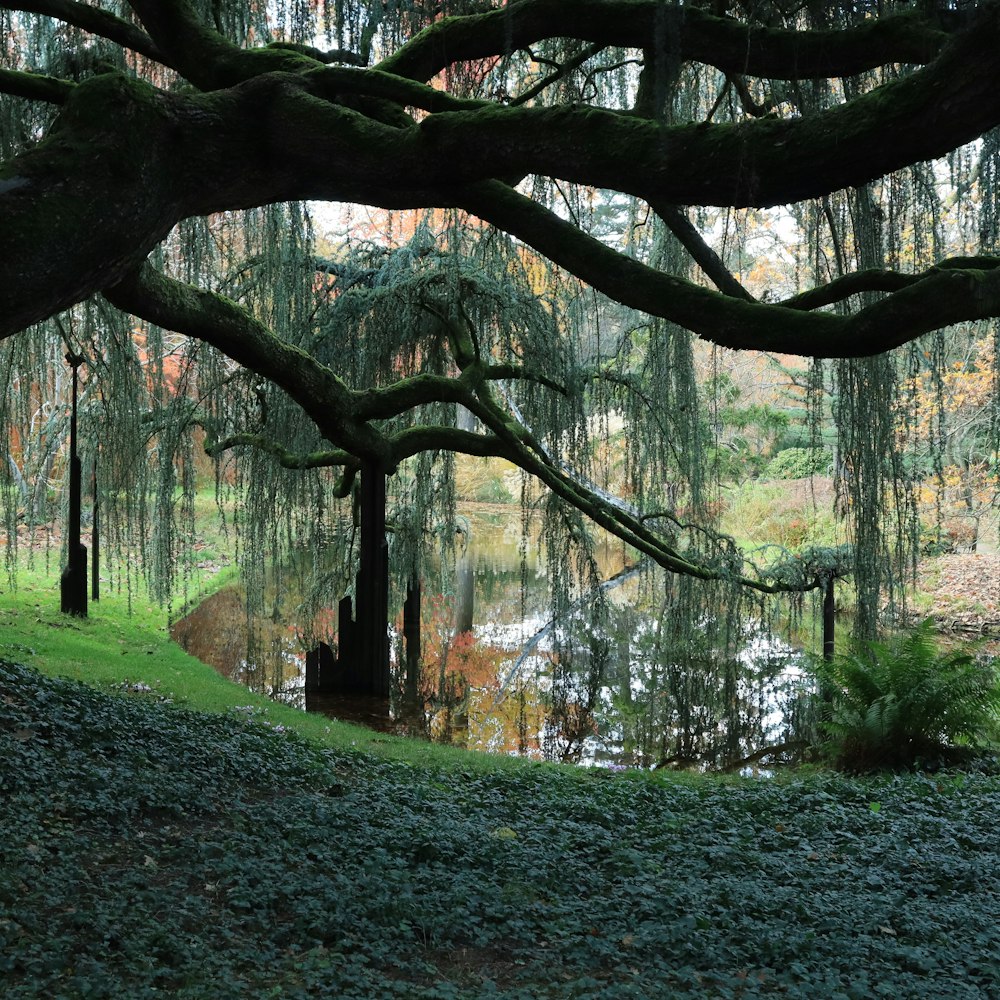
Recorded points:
(149, 850)
(125, 643)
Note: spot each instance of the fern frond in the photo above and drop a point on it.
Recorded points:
(898, 701)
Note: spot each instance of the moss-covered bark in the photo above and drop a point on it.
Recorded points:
(695, 34)
(125, 161)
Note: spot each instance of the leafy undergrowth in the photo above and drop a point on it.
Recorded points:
(149, 851)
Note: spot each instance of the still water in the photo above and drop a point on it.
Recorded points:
(498, 674)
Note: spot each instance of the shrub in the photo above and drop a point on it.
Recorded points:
(785, 514)
(797, 463)
(905, 703)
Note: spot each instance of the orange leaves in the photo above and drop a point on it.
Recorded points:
(963, 388)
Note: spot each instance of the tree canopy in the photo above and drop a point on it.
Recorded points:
(584, 156)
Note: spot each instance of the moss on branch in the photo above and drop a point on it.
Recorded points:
(429, 437)
(225, 325)
(759, 163)
(938, 298)
(285, 458)
(35, 86)
(695, 34)
(381, 403)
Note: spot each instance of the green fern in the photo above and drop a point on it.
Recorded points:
(905, 702)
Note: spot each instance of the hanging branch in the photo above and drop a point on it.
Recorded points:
(702, 254)
(838, 249)
(97, 22)
(562, 70)
(717, 103)
(285, 458)
(749, 105)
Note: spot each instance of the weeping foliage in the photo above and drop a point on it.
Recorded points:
(896, 223)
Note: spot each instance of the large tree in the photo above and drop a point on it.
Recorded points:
(121, 120)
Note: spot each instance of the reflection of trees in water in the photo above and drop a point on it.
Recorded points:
(265, 652)
(626, 680)
(620, 686)
(646, 690)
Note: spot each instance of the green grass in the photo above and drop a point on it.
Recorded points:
(123, 642)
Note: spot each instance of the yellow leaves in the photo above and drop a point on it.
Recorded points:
(503, 833)
(962, 388)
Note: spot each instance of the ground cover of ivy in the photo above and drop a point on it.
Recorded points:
(151, 851)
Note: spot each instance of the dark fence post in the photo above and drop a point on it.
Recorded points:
(95, 539)
(73, 582)
(320, 670)
(411, 635)
(829, 620)
(312, 671)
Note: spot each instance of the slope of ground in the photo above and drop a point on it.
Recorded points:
(962, 592)
(148, 851)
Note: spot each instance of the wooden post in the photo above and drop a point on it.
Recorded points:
(320, 670)
(73, 582)
(411, 635)
(312, 671)
(828, 620)
(372, 619)
(95, 539)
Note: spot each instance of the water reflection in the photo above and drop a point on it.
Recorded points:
(610, 687)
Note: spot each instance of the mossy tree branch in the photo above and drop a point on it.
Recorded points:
(35, 86)
(223, 323)
(942, 297)
(695, 35)
(102, 220)
(285, 458)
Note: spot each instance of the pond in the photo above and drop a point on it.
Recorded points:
(497, 674)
